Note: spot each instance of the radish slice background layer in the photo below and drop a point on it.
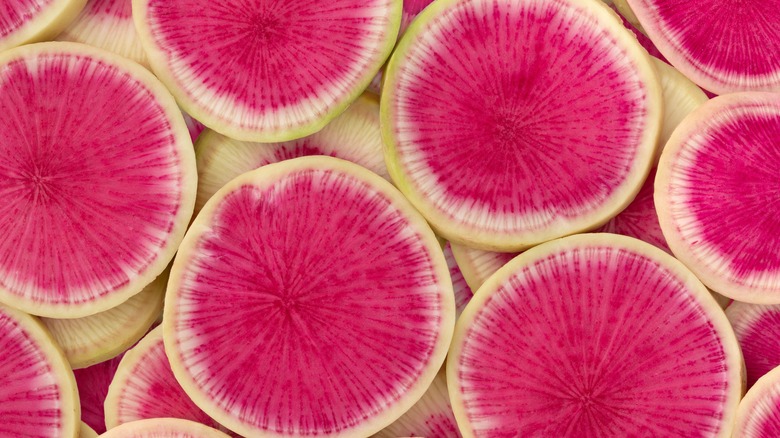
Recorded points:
(37, 390)
(594, 335)
(759, 411)
(722, 45)
(717, 198)
(503, 155)
(93, 383)
(27, 21)
(163, 427)
(758, 331)
(97, 193)
(282, 70)
(334, 287)
(460, 286)
(86, 431)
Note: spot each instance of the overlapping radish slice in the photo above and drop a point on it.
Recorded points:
(353, 136)
(478, 265)
(98, 179)
(594, 335)
(37, 390)
(722, 45)
(107, 24)
(26, 21)
(144, 387)
(758, 331)
(163, 428)
(503, 155)
(99, 337)
(717, 197)
(93, 383)
(460, 286)
(267, 71)
(316, 297)
(86, 431)
(759, 411)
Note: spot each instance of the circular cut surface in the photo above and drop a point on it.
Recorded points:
(758, 331)
(503, 155)
(759, 411)
(590, 336)
(97, 186)
(722, 45)
(333, 284)
(717, 195)
(353, 136)
(267, 70)
(163, 428)
(37, 390)
(99, 337)
(26, 21)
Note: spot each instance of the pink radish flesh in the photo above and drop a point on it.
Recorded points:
(111, 8)
(758, 330)
(462, 290)
(16, 13)
(93, 385)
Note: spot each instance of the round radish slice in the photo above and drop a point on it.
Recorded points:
(717, 198)
(335, 288)
(722, 45)
(99, 337)
(431, 417)
(759, 411)
(86, 431)
(594, 335)
(503, 155)
(107, 24)
(758, 331)
(144, 387)
(267, 71)
(163, 428)
(353, 136)
(98, 186)
(93, 383)
(37, 391)
(462, 290)
(26, 21)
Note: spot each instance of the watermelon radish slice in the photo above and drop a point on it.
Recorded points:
(353, 136)
(594, 335)
(163, 428)
(267, 71)
(431, 417)
(107, 24)
(37, 391)
(463, 292)
(93, 383)
(99, 337)
(27, 21)
(721, 45)
(717, 199)
(336, 289)
(758, 331)
(86, 431)
(476, 143)
(759, 411)
(144, 387)
(97, 187)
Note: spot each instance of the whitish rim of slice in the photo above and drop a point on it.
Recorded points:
(47, 23)
(86, 431)
(681, 228)
(99, 337)
(40, 339)
(163, 427)
(762, 400)
(187, 169)
(266, 177)
(478, 265)
(624, 243)
(245, 129)
(454, 229)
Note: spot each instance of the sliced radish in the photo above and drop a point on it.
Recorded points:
(86, 431)
(478, 265)
(503, 155)
(717, 198)
(463, 292)
(353, 136)
(759, 411)
(163, 428)
(594, 335)
(758, 331)
(333, 286)
(144, 387)
(99, 337)
(38, 395)
(267, 71)
(97, 186)
(93, 383)
(27, 21)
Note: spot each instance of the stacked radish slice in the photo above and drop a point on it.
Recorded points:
(532, 230)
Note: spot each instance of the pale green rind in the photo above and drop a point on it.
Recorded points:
(521, 239)
(758, 398)
(163, 427)
(188, 190)
(51, 21)
(158, 62)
